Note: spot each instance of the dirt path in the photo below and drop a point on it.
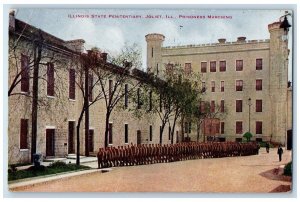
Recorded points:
(235, 174)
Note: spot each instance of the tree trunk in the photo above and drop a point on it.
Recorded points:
(35, 89)
(161, 132)
(106, 130)
(78, 138)
(86, 110)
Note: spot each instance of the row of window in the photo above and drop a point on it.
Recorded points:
(238, 85)
(222, 66)
(71, 135)
(239, 127)
(239, 106)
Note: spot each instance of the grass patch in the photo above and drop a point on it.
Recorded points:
(288, 169)
(56, 167)
(263, 144)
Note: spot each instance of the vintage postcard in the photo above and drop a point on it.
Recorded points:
(150, 100)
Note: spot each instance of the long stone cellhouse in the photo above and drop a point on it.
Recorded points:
(231, 73)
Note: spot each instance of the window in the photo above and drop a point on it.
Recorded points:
(50, 79)
(150, 101)
(24, 73)
(23, 134)
(202, 106)
(203, 87)
(258, 84)
(259, 64)
(222, 106)
(203, 67)
(239, 106)
(187, 68)
(169, 132)
(213, 66)
(258, 106)
(126, 96)
(239, 85)
(212, 106)
(91, 82)
(72, 84)
(258, 127)
(138, 98)
(239, 127)
(186, 127)
(222, 127)
(222, 66)
(150, 132)
(239, 65)
(222, 86)
(213, 85)
(152, 52)
(110, 133)
(126, 133)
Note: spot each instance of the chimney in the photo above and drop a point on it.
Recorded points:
(103, 56)
(241, 39)
(76, 45)
(222, 40)
(12, 20)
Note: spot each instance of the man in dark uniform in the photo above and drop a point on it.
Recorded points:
(280, 152)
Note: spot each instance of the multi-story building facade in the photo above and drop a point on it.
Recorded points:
(248, 79)
(232, 72)
(60, 100)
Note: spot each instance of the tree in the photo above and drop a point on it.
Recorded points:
(248, 136)
(88, 66)
(116, 81)
(30, 51)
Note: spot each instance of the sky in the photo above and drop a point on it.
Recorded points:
(110, 34)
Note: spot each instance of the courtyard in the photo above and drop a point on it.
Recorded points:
(246, 174)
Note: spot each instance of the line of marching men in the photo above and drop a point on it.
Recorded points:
(131, 155)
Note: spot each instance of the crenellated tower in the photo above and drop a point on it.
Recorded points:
(154, 45)
(278, 81)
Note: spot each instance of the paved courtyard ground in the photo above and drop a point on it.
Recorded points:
(248, 174)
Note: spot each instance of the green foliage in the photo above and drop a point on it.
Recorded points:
(288, 169)
(130, 53)
(248, 136)
(263, 144)
(56, 167)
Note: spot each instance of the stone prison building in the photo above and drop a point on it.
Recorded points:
(231, 73)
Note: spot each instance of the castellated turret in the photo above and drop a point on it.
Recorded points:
(154, 45)
(278, 79)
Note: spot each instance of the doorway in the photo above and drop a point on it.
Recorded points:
(50, 146)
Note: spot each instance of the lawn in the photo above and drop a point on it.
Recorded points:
(56, 167)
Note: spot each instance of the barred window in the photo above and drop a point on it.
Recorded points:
(222, 86)
(213, 86)
(258, 106)
(239, 65)
(24, 73)
(239, 105)
(72, 84)
(222, 106)
(222, 66)
(258, 127)
(50, 79)
(203, 67)
(239, 127)
(258, 84)
(239, 85)
(259, 64)
(213, 65)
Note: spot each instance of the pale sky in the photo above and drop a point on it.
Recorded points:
(110, 34)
